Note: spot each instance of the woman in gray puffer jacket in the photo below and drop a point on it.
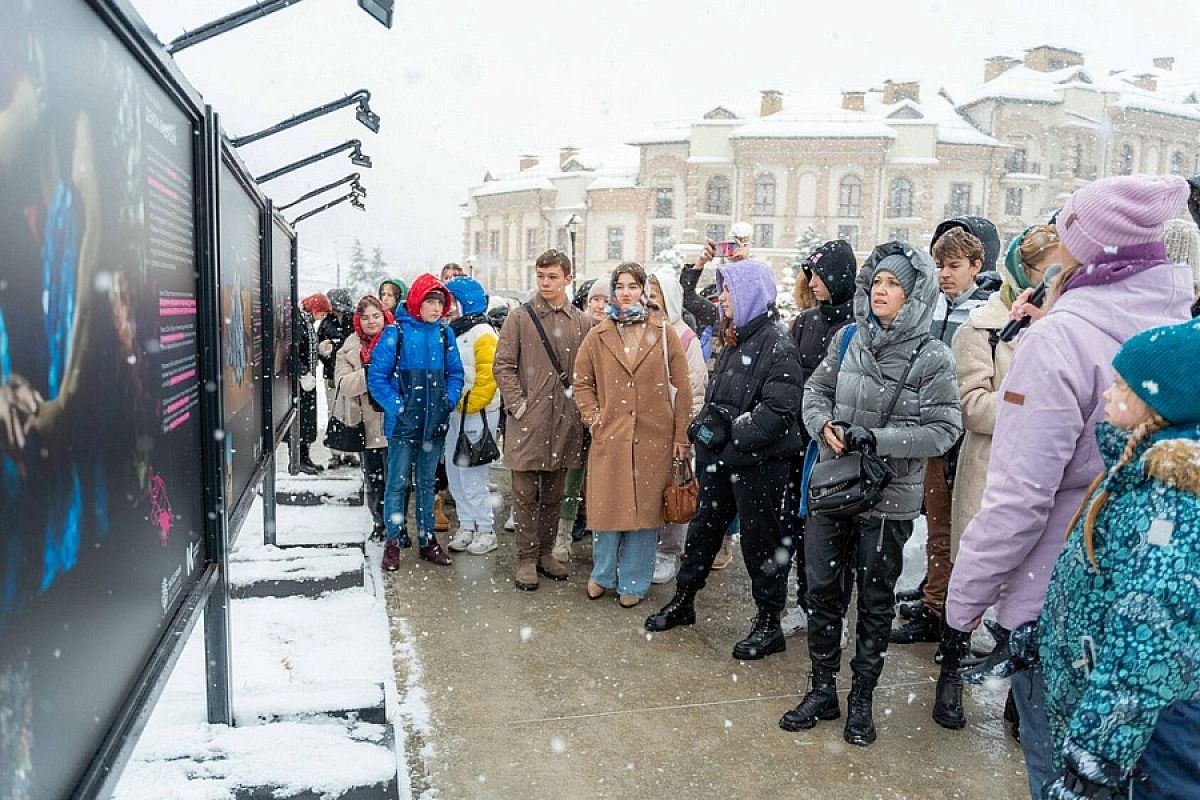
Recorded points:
(845, 402)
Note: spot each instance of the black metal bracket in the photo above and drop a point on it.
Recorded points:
(381, 10)
(364, 114)
(352, 197)
(356, 157)
(351, 179)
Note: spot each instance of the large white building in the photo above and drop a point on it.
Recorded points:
(866, 166)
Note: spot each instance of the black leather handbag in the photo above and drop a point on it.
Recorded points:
(468, 454)
(852, 483)
(346, 438)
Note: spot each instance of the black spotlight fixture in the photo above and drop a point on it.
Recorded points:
(364, 115)
(353, 145)
(352, 197)
(381, 10)
(351, 179)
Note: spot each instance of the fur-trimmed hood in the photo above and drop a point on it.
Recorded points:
(1175, 462)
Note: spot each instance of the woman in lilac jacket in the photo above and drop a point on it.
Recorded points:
(1116, 282)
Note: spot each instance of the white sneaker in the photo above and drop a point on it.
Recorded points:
(485, 542)
(795, 621)
(665, 567)
(510, 524)
(845, 632)
(462, 539)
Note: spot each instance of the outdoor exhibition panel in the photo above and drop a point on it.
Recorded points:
(283, 308)
(102, 539)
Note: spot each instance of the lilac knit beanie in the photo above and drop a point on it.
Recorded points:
(1112, 213)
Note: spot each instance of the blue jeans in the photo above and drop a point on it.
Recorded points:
(401, 456)
(1171, 760)
(1029, 693)
(624, 560)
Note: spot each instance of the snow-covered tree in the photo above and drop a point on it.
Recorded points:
(364, 275)
(806, 243)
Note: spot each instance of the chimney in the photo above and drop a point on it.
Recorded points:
(1166, 63)
(996, 66)
(771, 103)
(565, 154)
(895, 91)
(854, 101)
(1048, 58)
(528, 162)
(1146, 81)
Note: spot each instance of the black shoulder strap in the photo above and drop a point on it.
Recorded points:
(537, 323)
(887, 415)
(993, 341)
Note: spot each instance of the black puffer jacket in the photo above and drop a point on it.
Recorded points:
(336, 331)
(755, 384)
(705, 311)
(812, 328)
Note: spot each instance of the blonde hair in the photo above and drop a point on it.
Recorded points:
(802, 293)
(1093, 507)
(1036, 241)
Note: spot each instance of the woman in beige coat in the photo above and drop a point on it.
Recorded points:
(352, 404)
(621, 388)
(983, 360)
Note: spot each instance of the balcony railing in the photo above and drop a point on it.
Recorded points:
(1012, 167)
(963, 209)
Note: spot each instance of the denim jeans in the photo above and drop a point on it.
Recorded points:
(469, 485)
(1171, 760)
(1029, 693)
(402, 455)
(624, 560)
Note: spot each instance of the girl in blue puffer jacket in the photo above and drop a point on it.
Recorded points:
(1120, 631)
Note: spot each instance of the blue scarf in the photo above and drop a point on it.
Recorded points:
(626, 316)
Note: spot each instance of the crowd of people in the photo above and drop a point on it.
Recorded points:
(1038, 404)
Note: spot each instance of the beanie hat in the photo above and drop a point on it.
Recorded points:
(899, 266)
(1183, 246)
(1159, 366)
(597, 289)
(1111, 213)
(834, 264)
(341, 300)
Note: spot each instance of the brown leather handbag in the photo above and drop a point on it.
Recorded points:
(679, 498)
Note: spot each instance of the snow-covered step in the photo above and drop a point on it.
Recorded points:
(283, 572)
(308, 490)
(322, 526)
(358, 699)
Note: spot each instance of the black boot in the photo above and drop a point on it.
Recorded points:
(765, 638)
(911, 594)
(821, 703)
(1012, 718)
(910, 610)
(379, 532)
(680, 611)
(305, 463)
(860, 723)
(925, 626)
(947, 705)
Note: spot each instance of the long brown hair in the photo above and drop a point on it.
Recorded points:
(1093, 507)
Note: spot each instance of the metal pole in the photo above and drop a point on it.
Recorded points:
(351, 144)
(362, 97)
(574, 266)
(351, 178)
(267, 282)
(326, 207)
(227, 23)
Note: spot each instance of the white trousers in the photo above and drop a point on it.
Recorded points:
(469, 485)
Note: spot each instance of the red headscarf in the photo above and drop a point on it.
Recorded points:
(316, 304)
(423, 285)
(368, 345)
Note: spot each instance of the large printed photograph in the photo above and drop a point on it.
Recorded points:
(100, 473)
(283, 308)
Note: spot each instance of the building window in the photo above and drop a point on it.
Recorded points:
(531, 243)
(900, 198)
(494, 244)
(1014, 200)
(898, 235)
(1015, 161)
(662, 239)
(960, 199)
(563, 240)
(1125, 167)
(616, 244)
(715, 232)
(1177, 163)
(764, 194)
(478, 242)
(849, 233)
(764, 235)
(850, 197)
(717, 197)
(664, 202)
(1077, 160)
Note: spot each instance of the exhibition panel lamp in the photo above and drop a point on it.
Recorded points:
(381, 10)
(354, 199)
(364, 115)
(356, 157)
(352, 179)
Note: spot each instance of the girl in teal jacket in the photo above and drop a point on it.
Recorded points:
(1120, 631)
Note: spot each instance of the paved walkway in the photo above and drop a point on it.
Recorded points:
(551, 695)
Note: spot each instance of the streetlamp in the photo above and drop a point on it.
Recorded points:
(352, 179)
(356, 157)
(364, 115)
(381, 10)
(572, 225)
(354, 199)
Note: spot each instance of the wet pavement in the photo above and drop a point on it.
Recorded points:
(548, 694)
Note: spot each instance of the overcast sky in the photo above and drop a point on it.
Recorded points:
(467, 86)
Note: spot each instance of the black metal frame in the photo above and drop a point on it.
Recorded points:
(353, 179)
(353, 197)
(364, 115)
(99, 779)
(349, 144)
(279, 428)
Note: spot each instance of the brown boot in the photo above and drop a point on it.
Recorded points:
(527, 575)
(548, 565)
(441, 523)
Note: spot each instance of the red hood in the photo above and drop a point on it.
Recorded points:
(423, 285)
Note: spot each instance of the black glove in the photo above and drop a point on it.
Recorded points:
(1014, 651)
(713, 428)
(1086, 777)
(857, 439)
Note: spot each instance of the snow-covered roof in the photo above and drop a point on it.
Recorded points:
(615, 181)
(934, 109)
(815, 123)
(1025, 85)
(616, 162)
(676, 132)
(512, 184)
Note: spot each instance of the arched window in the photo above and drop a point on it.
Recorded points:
(1177, 163)
(900, 198)
(717, 197)
(1125, 167)
(850, 197)
(764, 194)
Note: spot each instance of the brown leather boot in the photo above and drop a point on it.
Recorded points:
(527, 575)
(441, 523)
(548, 565)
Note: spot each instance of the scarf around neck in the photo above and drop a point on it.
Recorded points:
(367, 345)
(626, 316)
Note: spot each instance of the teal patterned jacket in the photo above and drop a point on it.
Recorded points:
(1120, 644)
